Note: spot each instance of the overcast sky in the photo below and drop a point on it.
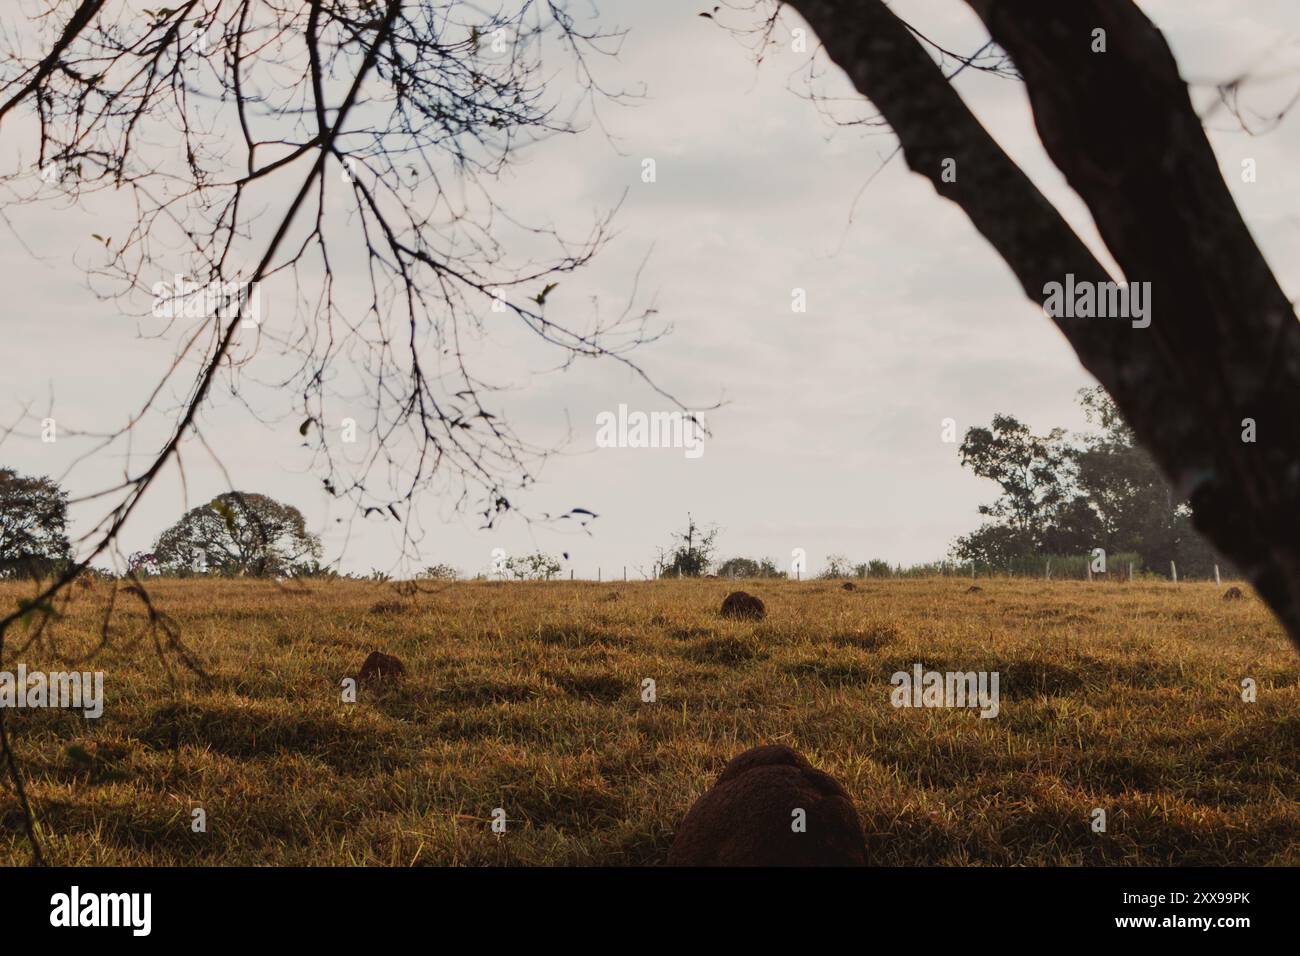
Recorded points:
(829, 438)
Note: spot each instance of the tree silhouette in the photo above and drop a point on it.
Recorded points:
(238, 533)
(33, 526)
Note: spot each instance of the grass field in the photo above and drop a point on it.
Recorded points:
(527, 696)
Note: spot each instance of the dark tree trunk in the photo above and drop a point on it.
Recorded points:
(1223, 344)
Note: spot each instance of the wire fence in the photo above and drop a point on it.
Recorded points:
(1099, 567)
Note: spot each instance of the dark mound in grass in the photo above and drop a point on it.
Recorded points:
(770, 807)
(379, 667)
(743, 606)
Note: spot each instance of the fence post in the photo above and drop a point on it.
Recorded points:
(1173, 570)
(1048, 573)
(598, 575)
(1087, 563)
(1130, 572)
(1217, 582)
(570, 574)
(625, 572)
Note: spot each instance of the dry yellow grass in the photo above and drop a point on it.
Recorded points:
(527, 697)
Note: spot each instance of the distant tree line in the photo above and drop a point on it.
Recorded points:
(1068, 495)
(1061, 498)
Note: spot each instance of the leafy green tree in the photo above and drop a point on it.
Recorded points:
(1136, 507)
(993, 544)
(1030, 469)
(239, 533)
(691, 552)
(537, 566)
(33, 526)
(1066, 498)
(1034, 473)
(1074, 526)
